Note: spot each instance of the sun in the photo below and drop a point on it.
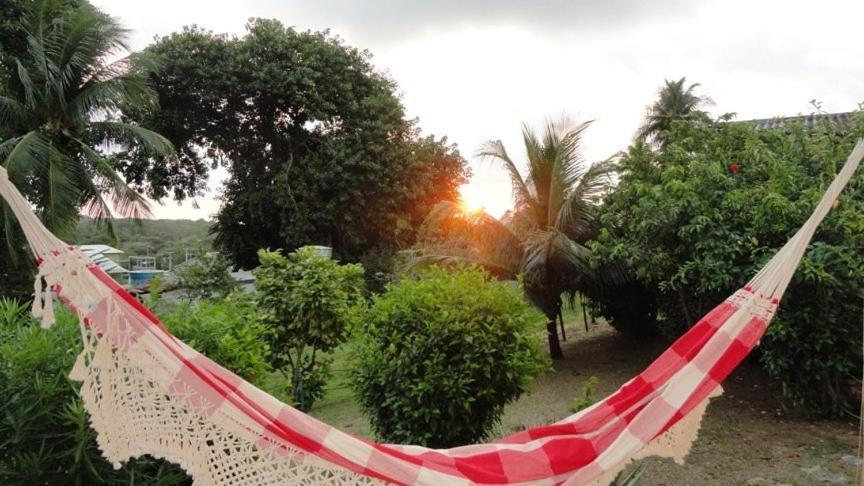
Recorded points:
(471, 199)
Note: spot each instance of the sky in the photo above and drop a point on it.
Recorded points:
(476, 70)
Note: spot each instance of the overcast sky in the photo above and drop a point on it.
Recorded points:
(475, 70)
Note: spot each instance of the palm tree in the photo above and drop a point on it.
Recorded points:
(675, 102)
(542, 238)
(59, 116)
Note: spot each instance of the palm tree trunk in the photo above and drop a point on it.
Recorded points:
(554, 345)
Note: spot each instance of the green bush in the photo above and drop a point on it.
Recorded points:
(206, 277)
(442, 354)
(308, 303)
(696, 220)
(226, 332)
(45, 436)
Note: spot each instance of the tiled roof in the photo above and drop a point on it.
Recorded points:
(809, 121)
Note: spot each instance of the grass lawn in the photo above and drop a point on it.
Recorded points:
(746, 438)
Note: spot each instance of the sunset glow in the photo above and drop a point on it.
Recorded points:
(483, 194)
(472, 199)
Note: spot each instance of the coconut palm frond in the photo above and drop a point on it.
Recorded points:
(58, 196)
(425, 260)
(110, 94)
(539, 172)
(675, 102)
(493, 150)
(29, 156)
(125, 201)
(11, 110)
(26, 85)
(563, 146)
(98, 209)
(126, 133)
(553, 249)
(576, 215)
(490, 239)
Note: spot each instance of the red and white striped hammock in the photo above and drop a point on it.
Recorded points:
(147, 392)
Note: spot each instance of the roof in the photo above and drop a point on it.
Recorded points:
(809, 121)
(107, 265)
(97, 253)
(89, 250)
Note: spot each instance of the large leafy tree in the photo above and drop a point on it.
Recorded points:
(58, 111)
(676, 101)
(696, 220)
(542, 239)
(316, 143)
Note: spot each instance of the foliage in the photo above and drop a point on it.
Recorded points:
(206, 277)
(697, 219)
(442, 354)
(159, 237)
(13, 37)
(308, 303)
(226, 332)
(542, 240)
(45, 437)
(315, 140)
(58, 107)
(675, 103)
(584, 399)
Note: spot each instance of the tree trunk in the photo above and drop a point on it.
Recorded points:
(584, 311)
(561, 318)
(554, 345)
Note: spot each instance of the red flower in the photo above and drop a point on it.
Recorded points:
(734, 168)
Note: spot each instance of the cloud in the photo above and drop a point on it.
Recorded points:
(381, 20)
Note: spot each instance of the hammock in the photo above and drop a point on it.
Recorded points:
(147, 392)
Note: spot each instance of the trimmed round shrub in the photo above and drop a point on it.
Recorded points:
(443, 354)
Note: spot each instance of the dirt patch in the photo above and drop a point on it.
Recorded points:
(745, 438)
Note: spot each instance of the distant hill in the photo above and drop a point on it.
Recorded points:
(155, 237)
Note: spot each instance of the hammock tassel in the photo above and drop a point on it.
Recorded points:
(43, 301)
(48, 310)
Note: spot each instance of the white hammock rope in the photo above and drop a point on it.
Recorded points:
(149, 393)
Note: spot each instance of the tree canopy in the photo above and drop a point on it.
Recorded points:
(316, 142)
(696, 219)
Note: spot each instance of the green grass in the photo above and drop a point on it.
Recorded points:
(338, 407)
